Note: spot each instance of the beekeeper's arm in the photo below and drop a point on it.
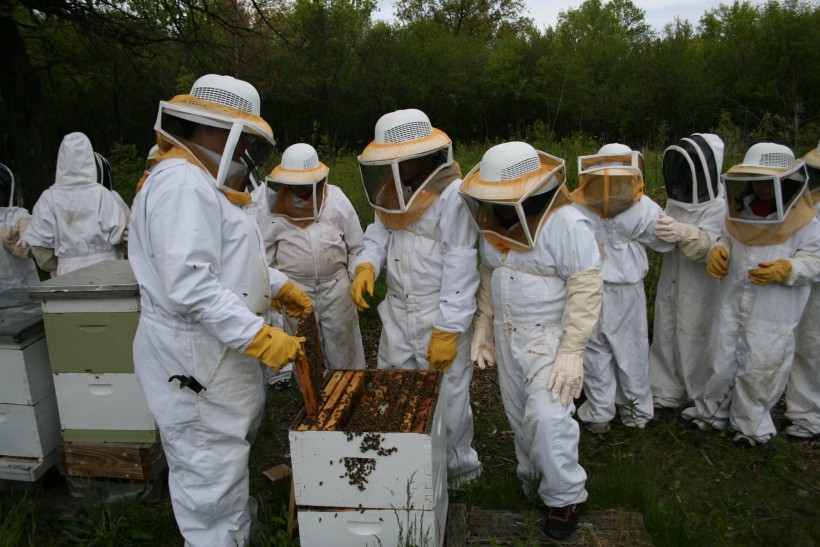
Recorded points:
(693, 242)
(39, 234)
(802, 268)
(187, 264)
(366, 267)
(482, 348)
(459, 279)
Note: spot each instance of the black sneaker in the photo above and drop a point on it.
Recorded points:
(281, 384)
(561, 522)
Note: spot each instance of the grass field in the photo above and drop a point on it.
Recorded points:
(692, 487)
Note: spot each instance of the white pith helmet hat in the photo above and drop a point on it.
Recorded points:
(404, 134)
(509, 171)
(765, 158)
(300, 165)
(220, 101)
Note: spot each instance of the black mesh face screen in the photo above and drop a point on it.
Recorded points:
(706, 166)
(814, 177)
(678, 173)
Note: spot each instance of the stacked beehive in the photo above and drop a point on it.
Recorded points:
(90, 318)
(370, 466)
(29, 422)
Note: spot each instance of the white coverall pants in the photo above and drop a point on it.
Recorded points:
(206, 436)
(616, 365)
(684, 307)
(803, 387)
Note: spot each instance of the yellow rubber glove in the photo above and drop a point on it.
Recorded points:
(275, 347)
(442, 349)
(293, 299)
(717, 263)
(364, 282)
(771, 272)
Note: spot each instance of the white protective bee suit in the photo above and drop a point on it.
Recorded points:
(686, 294)
(616, 361)
(316, 258)
(752, 342)
(77, 217)
(17, 269)
(204, 286)
(432, 276)
(528, 294)
(803, 387)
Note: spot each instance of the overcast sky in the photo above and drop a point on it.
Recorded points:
(658, 12)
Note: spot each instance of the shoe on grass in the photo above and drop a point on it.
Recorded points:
(743, 440)
(281, 384)
(561, 522)
(597, 427)
(700, 424)
(799, 431)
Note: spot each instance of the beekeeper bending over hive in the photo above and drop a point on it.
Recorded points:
(204, 285)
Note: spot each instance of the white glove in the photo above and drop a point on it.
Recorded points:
(669, 229)
(567, 377)
(482, 349)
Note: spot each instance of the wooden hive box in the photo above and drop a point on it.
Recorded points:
(29, 421)
(370, 467)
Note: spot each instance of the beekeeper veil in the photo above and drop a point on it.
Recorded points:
(611, 181)
(401, 137)
(104, 174)
(766, 195)
(297, 186)
(222, 102)
(511, 193)
(6, 186)
(692, 168)
(812, 159)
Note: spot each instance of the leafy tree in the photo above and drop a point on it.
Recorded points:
(477, 18)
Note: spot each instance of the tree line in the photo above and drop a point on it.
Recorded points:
(481, 69)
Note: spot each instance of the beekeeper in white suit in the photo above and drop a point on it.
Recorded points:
(423, 236)
(767, 257)
(17, 269)
(204, 285)
(685, 297)
(538, 302)
(803, 387)
(312, 234)
(616, 361)
(76, 222)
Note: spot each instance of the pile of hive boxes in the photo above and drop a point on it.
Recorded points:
(108, 435)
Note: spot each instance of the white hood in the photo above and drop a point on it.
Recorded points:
(76, 164)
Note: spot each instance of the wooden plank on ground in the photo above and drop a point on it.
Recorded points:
(486, 527)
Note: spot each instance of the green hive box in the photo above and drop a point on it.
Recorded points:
(90, 317)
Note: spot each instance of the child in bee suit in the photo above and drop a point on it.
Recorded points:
(803, 387)
(312, 234)
(767, 257)
(204, 285)
(616, 361)
(538, 302)
(17, 269)
(76, 222)
(685, 297)
(423, 236)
